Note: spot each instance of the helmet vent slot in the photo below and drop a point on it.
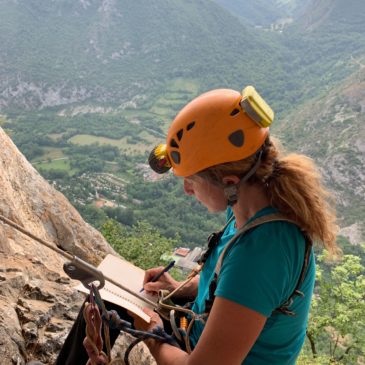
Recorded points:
(180, 134)
(234, 112)
(175, 157)
(190, 125)
(173, 143)
(237, 138)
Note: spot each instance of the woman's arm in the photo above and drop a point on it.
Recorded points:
(166, 281)
(228, 336)
(190, 290)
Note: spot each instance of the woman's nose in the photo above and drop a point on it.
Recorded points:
(188, 188)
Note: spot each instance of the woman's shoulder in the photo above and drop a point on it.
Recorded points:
(273, 239)
(276, 226)
(281, 235)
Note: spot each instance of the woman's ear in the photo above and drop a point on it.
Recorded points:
(231, 180)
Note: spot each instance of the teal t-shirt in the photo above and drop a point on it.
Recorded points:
(260, 271)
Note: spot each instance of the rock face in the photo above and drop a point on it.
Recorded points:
(37, 301)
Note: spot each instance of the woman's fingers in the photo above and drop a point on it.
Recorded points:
(151, 273)
(141, 324)
(164, 282)
(154, 287)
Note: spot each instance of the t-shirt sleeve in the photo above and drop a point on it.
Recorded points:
(255, 272)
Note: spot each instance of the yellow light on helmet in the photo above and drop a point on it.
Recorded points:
(256, 107)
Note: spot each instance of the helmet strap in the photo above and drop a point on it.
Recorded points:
(231, 190)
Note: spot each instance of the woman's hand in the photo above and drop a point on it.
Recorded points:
(140, 324)
(166, 281)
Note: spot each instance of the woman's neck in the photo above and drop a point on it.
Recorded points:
(251, 199)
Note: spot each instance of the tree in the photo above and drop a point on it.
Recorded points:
(122, 215)
(336, 330)
(31, 150)
(142, 244)
(92, 214)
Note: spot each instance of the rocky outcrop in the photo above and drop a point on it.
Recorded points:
(39, 95)
(37, 308)
(28, 200)
(37, 301)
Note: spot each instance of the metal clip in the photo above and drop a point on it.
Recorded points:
(80, 270)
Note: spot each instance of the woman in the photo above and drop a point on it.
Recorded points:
(219, 143)
(258, 276)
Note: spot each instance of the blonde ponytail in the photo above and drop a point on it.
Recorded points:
(294, 186)
(296, 190)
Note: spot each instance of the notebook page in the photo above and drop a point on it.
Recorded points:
(127, 275)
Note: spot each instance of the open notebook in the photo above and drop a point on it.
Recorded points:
(129, 276)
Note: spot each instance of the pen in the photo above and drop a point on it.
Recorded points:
(157, 276)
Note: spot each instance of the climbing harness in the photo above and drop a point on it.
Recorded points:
(110, 319)
(173, 312)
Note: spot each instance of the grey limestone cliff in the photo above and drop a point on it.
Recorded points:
(37, 301)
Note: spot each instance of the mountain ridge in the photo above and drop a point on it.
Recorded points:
(327, 14)
(334, 125)
(74, 50)
(136, 73)
(265, 13)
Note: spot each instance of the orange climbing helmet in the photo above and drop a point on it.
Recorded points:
(218, 126)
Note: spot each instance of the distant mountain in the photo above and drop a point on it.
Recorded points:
(265, 12)
(333, 127)
(60, 52)
(328, 45)
(330, 40)
(323, 43)
(142, 60)
(113, 52)
(332, 15)
(259, 12)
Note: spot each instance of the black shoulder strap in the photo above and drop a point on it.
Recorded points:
(284, 308)
(213, 240)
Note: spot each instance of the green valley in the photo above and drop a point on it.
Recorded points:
(98, 74)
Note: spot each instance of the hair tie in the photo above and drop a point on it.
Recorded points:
(276, 167)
